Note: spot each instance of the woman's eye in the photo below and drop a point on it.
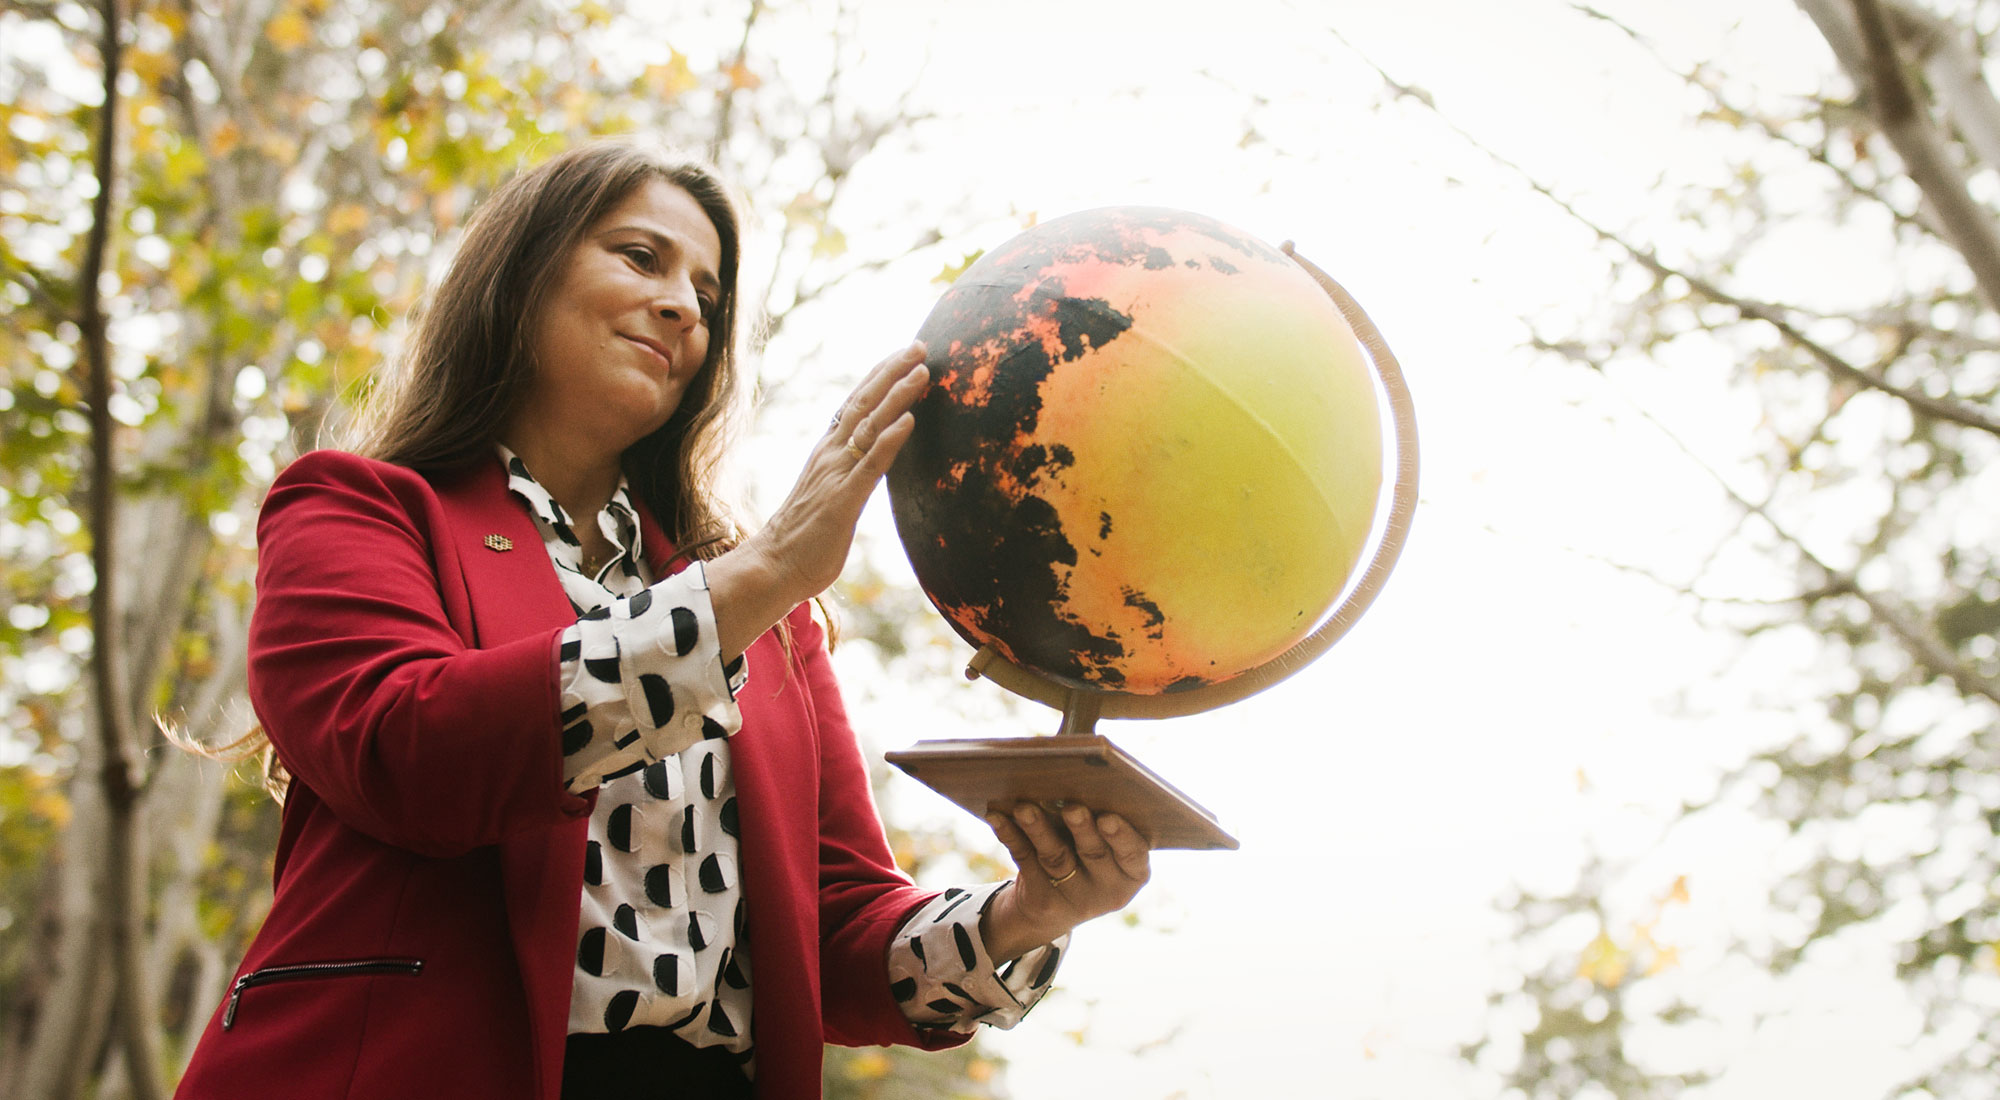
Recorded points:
(642, 257)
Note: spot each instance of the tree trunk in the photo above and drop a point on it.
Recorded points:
(124, 898)
(59, 1055)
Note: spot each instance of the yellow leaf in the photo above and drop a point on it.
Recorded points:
(279, 148)
(52, 806)
(831, 243)
(288, 30)
(740, 76)
(346, 218)
(1603, 962)
(950, 272)
(673, 78)
(869, 1065)
(805, 208)
(1666, 958)
(149, 65)
(185, 278)
(1679, 892)
(147, 136)
(227, 137)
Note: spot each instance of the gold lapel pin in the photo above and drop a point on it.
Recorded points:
(499, 542)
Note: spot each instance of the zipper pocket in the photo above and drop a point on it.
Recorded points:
(301, 971)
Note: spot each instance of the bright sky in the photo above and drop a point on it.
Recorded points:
(1509, 697)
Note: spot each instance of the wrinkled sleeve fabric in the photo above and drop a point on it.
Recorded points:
(368, 691)
(643, 679)
(941, 974)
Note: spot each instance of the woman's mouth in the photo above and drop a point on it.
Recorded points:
(658, 352)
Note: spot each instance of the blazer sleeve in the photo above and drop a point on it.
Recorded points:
(369, 693)
(864, 897)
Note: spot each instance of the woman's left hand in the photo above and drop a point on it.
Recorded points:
(1073, 867)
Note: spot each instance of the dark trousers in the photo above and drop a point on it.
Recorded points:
(648, 1063)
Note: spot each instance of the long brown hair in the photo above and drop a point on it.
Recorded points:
(469, 357)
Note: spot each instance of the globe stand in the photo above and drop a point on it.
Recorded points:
(1076, 765)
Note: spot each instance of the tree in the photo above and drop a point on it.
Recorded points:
(283, 174)
(1862, 564)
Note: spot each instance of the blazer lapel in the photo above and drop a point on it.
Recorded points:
(659, 548)
(510, 581)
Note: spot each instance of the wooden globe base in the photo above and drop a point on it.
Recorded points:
(1077, 765)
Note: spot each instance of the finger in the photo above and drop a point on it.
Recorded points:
(875, 387)
(881, 454)
(1052, 851)
(895, 405)
(1129, 847)
(904, 394)
(1089, 844)
(1019, 848)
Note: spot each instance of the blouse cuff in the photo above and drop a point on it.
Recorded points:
(942, 977)
(643, 679)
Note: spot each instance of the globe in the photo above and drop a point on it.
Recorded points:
(1150, 456)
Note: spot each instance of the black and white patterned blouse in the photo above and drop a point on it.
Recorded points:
(648, 708)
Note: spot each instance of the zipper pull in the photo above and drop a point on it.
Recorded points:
(235, 995)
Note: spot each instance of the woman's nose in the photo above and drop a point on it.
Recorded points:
(677, 302)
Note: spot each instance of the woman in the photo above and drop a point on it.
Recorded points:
(575, 809)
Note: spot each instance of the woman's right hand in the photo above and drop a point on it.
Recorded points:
(803, 548)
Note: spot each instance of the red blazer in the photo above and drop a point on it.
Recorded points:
(422, 938)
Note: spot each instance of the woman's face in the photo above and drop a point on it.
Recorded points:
(625, 328)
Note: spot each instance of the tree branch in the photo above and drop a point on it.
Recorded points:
(33, 9)
(1922, 644)
(725, 96)
(1693, 79)
(40, 293)
(1966, 224)
(1951, 411)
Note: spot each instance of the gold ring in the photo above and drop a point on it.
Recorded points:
(857, 452)
(1065, 878)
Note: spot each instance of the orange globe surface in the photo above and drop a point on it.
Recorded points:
(1150, 456)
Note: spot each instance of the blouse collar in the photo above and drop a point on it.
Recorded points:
(619, 521)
